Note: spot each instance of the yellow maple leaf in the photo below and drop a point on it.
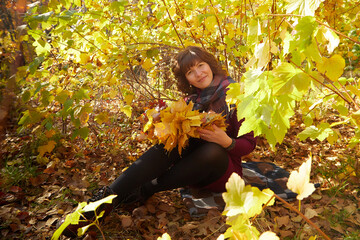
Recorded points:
(332, 67)
(46, 148)
(299, 181)
(178, 122)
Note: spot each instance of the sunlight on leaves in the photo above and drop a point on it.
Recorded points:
(332, 67)
(74, 217)
(303, 7)
(165, 236)
(244, 199)
(92, 206)
(268, 236)
(299, 181)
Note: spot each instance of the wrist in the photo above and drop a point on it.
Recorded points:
(231, 146)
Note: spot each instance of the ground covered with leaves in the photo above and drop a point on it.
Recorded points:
(34, 196)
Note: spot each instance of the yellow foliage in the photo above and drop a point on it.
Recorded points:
(46, 148)
(178, 122)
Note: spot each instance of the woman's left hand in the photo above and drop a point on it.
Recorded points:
(217, 135)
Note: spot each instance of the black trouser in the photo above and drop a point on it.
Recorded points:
(200, 164)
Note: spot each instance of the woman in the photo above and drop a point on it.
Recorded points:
(207, 162)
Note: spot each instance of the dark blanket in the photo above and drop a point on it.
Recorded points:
(258, 174)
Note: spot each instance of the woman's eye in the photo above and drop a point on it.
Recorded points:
(188, 73)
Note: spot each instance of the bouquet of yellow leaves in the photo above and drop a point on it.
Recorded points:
(178, 122)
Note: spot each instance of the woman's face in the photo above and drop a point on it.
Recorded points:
(200, 75)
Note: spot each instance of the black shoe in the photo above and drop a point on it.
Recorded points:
(136, 196)
(72, 229)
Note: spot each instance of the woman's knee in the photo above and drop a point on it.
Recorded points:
(213, 152)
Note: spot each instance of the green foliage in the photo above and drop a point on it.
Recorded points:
(89, 53)
(243, 203)
(77, 216)
(287, 56)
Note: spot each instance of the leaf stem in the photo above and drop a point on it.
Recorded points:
(336, 91)
(303, 216)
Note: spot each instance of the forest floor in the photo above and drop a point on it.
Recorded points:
(33, 197)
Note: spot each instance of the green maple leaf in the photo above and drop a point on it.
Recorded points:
(74, 217)
(287, 77)
(306, 28)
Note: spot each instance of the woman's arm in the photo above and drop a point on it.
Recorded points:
(244, 144)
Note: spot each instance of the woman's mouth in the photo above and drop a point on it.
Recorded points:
(202, 79)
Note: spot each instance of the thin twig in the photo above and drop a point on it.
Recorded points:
(188, 25)
(347, 93)
(303, 216)
(221, 34)
(138, 81)
(251, 6)
(172, 22)
(263, 207)
(321, 23)
(318, 81)
(81, 35)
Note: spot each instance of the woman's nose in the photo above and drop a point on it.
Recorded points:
(197, 72)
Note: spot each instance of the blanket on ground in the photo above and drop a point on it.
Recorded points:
(258, 174)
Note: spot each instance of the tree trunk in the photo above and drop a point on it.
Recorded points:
(9, 93)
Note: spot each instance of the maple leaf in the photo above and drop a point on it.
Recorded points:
(299, 181)
(244, 199)
(178, 122)
(268, 235)
(46, 148)
(165, 236)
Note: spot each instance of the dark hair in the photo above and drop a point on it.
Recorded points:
(188, 58)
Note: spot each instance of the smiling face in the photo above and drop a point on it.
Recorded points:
(195, 68)
(200, 75)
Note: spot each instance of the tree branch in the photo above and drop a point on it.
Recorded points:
(172, 22)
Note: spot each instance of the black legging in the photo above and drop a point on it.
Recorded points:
(200, 164)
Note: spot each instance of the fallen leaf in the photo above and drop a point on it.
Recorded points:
(15, 189)
(282, 221)
(126, 221)
(297, 219)
(165, 207)
(285, 234)
(310, 213)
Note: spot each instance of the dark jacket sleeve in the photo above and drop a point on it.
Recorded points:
(244, 144)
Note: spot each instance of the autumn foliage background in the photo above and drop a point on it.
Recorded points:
(77, 76)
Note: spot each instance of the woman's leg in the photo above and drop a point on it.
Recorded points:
(152, 164)
(157, 170)
(203, 166)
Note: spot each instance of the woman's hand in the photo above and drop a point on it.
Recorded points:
(218, 136)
